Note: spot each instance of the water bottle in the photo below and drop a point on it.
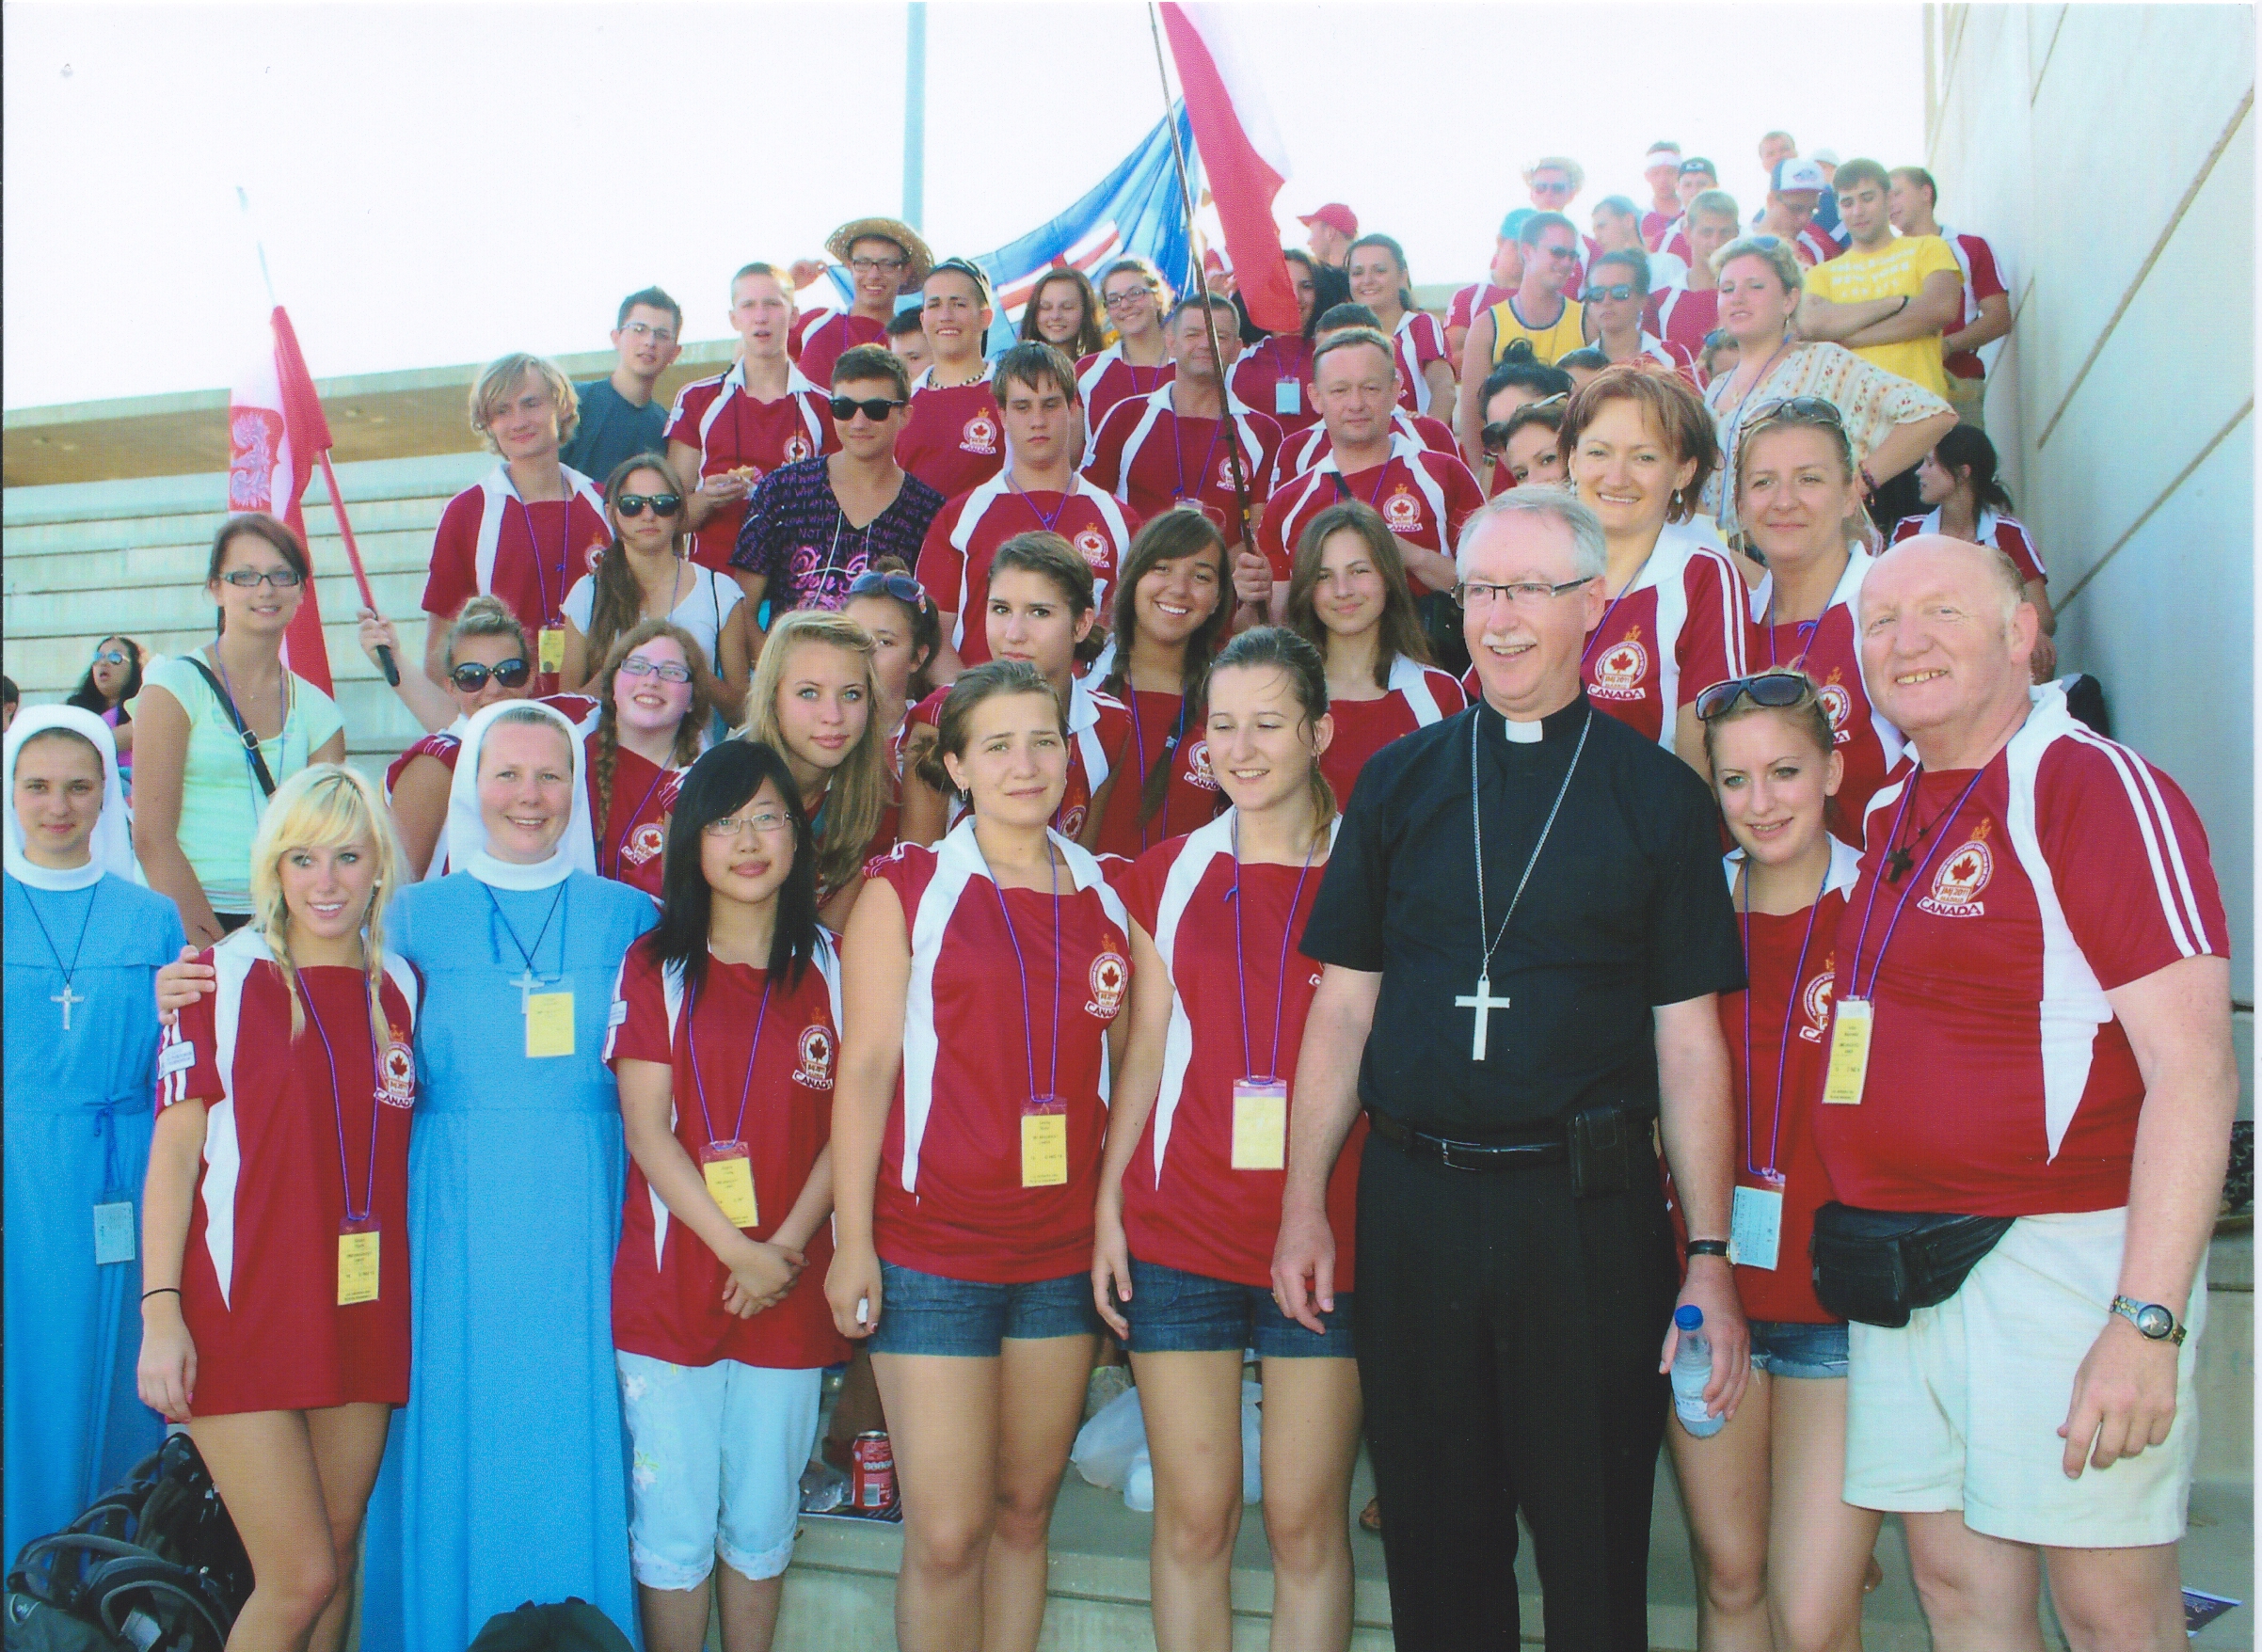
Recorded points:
(1692, 1371)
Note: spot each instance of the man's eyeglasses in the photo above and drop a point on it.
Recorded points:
(879, 408)
(878, 266)
(1561, 253)
(471, 676)
(1562, 188)
(663, 504)
(108, 657)
(1622, 291)
(1518, 593)
(246, 580)
(1127, 296)
(645, 329)
(903, 587)
(1778, 691)
(667, 671)
(766, 823)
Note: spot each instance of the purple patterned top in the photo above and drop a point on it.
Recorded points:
(796, 537)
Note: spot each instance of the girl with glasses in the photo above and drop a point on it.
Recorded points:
(646, 576)
(725, 1041)
(113, 679)
(651, 723)
(203, 790)
(1138, 362)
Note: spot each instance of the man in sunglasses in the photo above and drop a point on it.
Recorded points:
(813, 526)
(619, 417)
(886, 258)
(1541, 311)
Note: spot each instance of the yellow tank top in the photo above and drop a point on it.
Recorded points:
(1548, 343)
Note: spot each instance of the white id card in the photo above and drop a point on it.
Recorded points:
(1755, 1226)
(113, 1233)
(1287, 396)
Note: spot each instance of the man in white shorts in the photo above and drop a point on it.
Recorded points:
(2032, 1023)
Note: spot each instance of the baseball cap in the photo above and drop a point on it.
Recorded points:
(1798, 173)
(967, 268)
(1512, 226)
(1825, 157)
(1699, 164)
(1335, 215)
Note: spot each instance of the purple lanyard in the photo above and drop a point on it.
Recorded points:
(1240, 964)
(620, 845)
(1603, 623)
(1029, 1032)
(1783, 1065)
(1044, 521)
(1899, 815)
(1138, 750)
(1178, 453)
(690, 1040)
(376, 1067)
(565, 544)
(1806, 630)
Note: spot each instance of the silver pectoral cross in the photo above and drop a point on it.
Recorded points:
(526, 982)
(1484, 1004)
(66, 998)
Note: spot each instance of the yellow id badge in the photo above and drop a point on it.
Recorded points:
(356, 1263)
(1045, 1142)
(1260, 1124)
(1849, 1052)
(729, 1172)
(548, 1024)
(552, 649)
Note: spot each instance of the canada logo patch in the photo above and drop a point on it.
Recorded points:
(1197, 767)
(399, 1069)
(1072, 820)
(594, 554)
(1402, 510)
(1815, 1002)
(1838, 705)
(816, 1068)
(797, 447)
(1963, 876)
(978, 436)
(1619, 669)
(1110, 974)
(1091, 545)
(644, 842)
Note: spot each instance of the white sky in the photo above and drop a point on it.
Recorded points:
(441, 183)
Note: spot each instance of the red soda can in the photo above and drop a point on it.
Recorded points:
(871, 1474)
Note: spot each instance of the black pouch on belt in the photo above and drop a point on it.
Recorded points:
(1880, 1266)
(1603, 1141)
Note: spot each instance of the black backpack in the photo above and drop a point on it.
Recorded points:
(571, 1626)
(153, 1565)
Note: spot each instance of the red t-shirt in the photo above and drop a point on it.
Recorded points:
(1274, 375)
(490, 541)
(259, 1277)
(1189, 799)
(823, 337)
(1683, 316)
(1099, 727)
(1779, 1049)
(949, 1198)
(1299, 452)
(1105, 378)
(2000, 1082)
(1829, 651)
(632, 840)
(1678, 628)
(734, 431)
(1657, 225)
(1424, 496)
(1185, 1206)
(1150, 457)
(954, 559)
(1419, 695)
(2008, 534)
(667, 1285)
(1418, 341)
(953, 438)
(1982, 279)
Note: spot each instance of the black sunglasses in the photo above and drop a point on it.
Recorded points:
(1804, 409)
(663, 504)
(878, 408)
(903, 587)
(1620, 291)
(471, 676)
(1778, 691)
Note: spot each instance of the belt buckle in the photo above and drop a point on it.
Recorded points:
(1452, 1152)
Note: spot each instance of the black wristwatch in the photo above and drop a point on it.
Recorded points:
(2152, 1321)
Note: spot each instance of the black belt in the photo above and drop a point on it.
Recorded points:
(1468, 1155)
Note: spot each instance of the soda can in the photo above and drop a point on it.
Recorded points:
(871, 1474)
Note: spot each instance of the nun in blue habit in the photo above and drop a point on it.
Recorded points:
(505, 1479)
(82, 945)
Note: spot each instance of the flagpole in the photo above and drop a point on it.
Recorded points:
(1209, 318)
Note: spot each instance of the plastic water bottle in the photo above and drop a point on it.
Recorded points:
(1692, 1371)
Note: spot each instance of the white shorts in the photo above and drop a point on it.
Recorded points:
(1961, 1408)
(715, 1459)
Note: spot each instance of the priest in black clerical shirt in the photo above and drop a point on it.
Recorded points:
(1520, 979)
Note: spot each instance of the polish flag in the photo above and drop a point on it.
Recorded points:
(1242, 155)
(275, 433)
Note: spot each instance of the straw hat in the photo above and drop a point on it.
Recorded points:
(895, 229)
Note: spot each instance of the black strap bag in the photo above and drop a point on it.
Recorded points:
(1880, 1266)
(252, 755)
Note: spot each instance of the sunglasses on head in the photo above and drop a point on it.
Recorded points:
(903, 587)
(1801, 410)
(471, 676)
(663, 504)
(878, 408)
(1778, 691)
(1620, 291)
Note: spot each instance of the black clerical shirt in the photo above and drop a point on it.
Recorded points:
(1626, 909)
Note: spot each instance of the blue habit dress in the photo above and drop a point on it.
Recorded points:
(77, 1136)
(505, 1479)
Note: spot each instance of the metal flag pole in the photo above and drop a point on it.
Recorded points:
(915, 114)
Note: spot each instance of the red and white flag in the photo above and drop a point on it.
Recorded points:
(275, 434)
(1242, 155)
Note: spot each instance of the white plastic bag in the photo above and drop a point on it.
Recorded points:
(1107, 1445)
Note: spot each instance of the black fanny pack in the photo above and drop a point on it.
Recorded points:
(1879, 1266)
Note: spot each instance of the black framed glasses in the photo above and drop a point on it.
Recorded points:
(248, 579)
(662, 504)
(667, 671)
(881, 582)
(1619, 289)
(1799, 410)
(879, 408)
(879, 266)
(471, 676)
(1778, 691)
(1122, 297)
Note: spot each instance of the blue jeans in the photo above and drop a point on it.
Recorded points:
(1172, 1312)
(929, 1313)
(1783, 1347)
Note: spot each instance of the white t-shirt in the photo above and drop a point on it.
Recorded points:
(707, 600)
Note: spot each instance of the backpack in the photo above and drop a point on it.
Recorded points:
(153, 1565)
(572, 1625)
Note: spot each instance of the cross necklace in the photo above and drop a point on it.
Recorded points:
(1482, 1000)
(67, 997)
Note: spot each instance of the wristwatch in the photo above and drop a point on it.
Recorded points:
(2152, 1321)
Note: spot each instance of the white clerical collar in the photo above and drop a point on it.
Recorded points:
(23, 869)
(1523, 734)
(503, 874)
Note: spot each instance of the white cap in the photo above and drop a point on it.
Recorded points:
(1824, 157)
(1659, 153)
(1799, 173)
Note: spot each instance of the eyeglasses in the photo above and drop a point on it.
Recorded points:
(1561, 253)
(1778, 691)
(766, 823)
(1125, 295)
(1561, 188)
(667, 671)
(471, 677)
(1798, 410)
(663, 504)
(1622, 291)
(1521, 594)
(877, 266)
(645, 329)
(108, 657)
(903, 587)
(878, 408)
(246, 580)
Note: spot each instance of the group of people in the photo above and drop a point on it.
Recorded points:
(1343, 836)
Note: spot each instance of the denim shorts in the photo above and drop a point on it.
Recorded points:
(1783, 1347)
(1172, 1312)
(926, 1313)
